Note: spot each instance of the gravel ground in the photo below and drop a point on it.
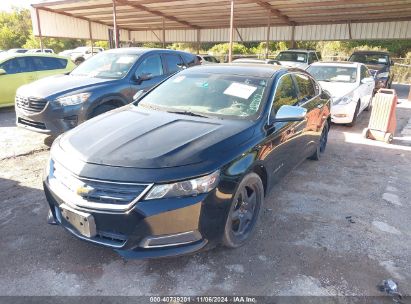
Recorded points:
(305, 244)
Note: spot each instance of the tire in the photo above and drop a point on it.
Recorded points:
(102, 109)
(48, 141)
(354, 119)
(365, 133)
(322, 143)
(244, 211)
(388, 138)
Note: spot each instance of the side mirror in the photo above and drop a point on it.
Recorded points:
(2, 72)
(367, 80)
(290, 113)
(143, 77)
(392, 62)
(139, 94)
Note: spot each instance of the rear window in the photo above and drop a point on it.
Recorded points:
(292, 56)
(370, 58)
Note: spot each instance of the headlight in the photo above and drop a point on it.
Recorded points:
(343, 100)
(383, 75)
(190, 187)
(73, 99)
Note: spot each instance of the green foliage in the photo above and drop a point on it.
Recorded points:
(103, 44)
(15, 28)
(222, 49)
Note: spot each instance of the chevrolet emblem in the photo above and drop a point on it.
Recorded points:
(84, 190)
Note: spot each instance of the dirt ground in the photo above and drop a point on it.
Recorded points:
(305, 244)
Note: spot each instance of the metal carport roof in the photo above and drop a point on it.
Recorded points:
(210, 20)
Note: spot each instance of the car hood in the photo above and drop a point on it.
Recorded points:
(59, 85)
(338, 89)
(142, 138)
(294, 64)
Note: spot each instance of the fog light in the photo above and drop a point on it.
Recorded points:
(171, 239)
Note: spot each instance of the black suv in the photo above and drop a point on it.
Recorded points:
(106, 81)
(379, 64)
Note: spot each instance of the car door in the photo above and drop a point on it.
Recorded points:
(279, 148)
(310, 98)
(20, 71)
(365, 89)
(150, 65)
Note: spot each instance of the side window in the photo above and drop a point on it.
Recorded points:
(364, 73)
(174, 63)
(190, 60)
(18, 65)
(10, 66)
(285, 94)
(48, 63)
(305, 87)
(151, 65)
(319, 55)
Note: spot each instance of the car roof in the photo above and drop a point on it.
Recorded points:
(256, 70)
(140, 50)
(298, 50)
(337, 63)
(371, 52)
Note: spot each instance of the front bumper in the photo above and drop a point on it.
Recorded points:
(53, 119)
(343, 114)
(172, 226)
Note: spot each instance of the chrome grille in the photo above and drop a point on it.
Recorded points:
(30, 104)
(96, 194)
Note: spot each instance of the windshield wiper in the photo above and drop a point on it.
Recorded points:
(187, 113)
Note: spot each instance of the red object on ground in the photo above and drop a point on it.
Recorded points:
(383, 122)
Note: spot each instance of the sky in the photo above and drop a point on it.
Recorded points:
(6, 5)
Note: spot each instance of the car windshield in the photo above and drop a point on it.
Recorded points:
(292, 56)
(333, 73)
(231, 96)
(370, 58)
(106, 65)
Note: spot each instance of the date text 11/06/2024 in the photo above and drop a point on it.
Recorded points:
(203, 299)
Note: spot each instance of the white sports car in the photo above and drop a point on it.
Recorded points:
(350, 85)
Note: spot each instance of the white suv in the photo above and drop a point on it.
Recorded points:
(299, 58)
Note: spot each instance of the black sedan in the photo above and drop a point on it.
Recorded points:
(188, 164)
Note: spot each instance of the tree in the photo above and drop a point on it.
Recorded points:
(15, 28)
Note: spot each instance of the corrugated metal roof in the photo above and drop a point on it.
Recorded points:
(142, 20)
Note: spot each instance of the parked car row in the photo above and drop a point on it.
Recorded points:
(166, 156)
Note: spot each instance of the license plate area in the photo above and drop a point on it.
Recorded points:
(82, 222)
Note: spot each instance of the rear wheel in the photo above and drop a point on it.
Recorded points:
(244, 211)
(322, 144)
(354, 119)
(102, 109)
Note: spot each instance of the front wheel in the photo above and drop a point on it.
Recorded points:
(354, 119)
(244, 211)
(101, 109)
